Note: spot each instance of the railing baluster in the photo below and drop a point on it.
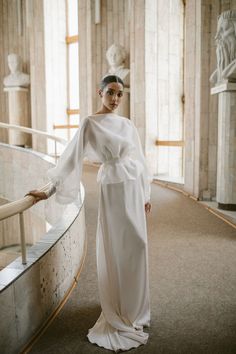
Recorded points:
(55, 150)
(22, 238)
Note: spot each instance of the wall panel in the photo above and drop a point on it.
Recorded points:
(11, 41)
(114, 28)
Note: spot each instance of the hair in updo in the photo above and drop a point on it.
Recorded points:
(109, 79)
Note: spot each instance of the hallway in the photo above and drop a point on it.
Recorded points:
(193, 285)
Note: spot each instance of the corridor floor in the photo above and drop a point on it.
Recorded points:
(193, 284)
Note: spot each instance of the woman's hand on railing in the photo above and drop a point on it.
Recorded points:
(37, 195)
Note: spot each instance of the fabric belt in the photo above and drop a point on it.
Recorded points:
(118, 174)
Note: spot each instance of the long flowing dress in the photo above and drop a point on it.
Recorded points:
(121, 238)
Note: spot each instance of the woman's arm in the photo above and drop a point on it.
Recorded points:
(42, 195)
(146, 176)
(51, 190)
(66, 175)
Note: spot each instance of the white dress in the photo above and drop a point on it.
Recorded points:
(121, 239)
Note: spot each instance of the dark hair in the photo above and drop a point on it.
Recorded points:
(108, 79)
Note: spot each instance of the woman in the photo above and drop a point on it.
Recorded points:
(124, 196)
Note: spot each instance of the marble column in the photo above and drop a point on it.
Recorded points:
(18, 101)
(226, 159)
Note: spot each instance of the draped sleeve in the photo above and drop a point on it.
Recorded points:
(146, 175)
(66, 176)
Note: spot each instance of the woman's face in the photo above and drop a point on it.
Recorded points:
(111, 95)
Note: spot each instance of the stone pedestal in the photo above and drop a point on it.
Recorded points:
(18, 102)
(226, 159)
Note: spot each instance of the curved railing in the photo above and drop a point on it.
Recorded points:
(33, 132)
(19, 206)
(56, 242)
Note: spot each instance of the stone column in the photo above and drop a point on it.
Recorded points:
(18, 101)
(226, 164)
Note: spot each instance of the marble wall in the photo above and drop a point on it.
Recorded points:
(86, 86)
(11, 42)
(137, 65)
(95, 39)
(191, 84)
(29, 44)
(211, 103)
(35, 28)
(42, 47)
(201, 117)
(226, 172)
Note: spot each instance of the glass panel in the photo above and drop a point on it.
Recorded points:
(74, 75)
(72, 6)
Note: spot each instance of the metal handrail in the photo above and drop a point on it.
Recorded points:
(19, 206)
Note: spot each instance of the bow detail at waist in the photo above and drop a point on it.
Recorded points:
(116, 159)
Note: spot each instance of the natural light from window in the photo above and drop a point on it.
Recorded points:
(170, 124)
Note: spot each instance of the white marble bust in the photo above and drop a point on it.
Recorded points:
(116, 56)
(16, 77)
(226, 48)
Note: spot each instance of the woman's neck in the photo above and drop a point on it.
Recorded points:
(104, 110)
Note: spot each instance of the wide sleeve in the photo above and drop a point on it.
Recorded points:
(146, 175)
(66, 176)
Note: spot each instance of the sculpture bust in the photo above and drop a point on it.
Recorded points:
(16, 77)
(226, 48)
(116, 56)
